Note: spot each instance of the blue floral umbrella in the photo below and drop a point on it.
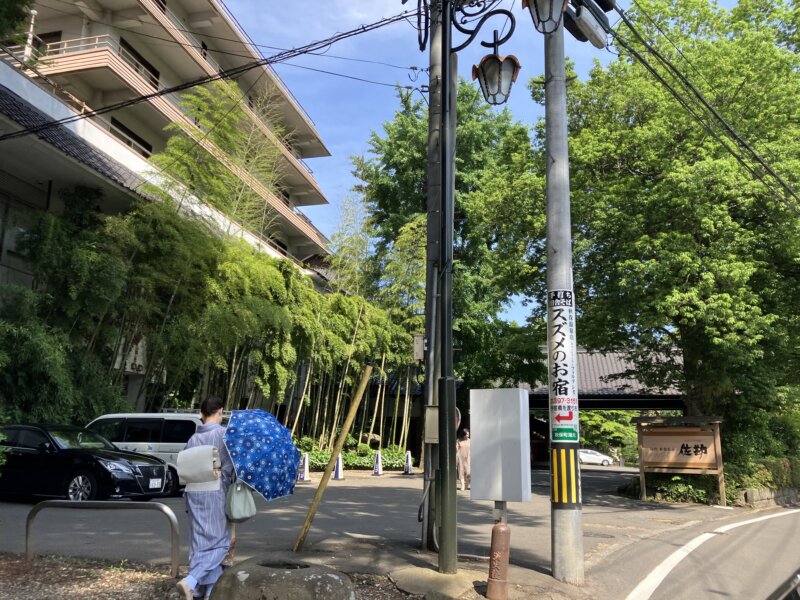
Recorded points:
(262, 452)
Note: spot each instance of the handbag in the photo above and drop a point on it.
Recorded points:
(239, 502)
(198, 468)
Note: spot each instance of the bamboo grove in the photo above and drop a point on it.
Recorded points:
(215, 315)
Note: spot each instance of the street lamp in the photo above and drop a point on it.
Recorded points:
(546, 14)
(496, 74)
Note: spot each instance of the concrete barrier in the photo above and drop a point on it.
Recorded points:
(764, 497)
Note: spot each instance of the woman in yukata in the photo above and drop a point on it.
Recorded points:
(209, 530)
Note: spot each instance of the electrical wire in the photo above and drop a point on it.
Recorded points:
(706, 107)
(353, 77)
(226, 74)
(696, 70)
(686, 105)
(196, 141)
(225, 39)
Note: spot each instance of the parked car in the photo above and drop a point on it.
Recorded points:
(593, 457)
(158, 434)
(76, 464)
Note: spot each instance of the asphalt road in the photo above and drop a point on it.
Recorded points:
(624, 539)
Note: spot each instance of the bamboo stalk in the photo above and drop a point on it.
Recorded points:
(348, 422)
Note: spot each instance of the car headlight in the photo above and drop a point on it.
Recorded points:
(116, 467)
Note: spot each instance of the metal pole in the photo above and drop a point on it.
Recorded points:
(448, 553)
(565, 499)
(431, 459)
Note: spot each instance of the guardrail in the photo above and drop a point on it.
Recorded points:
(101, 504)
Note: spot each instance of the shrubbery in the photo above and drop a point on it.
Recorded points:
(360, 456)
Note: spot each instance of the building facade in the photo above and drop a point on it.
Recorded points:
(82, 55)
(77, 56)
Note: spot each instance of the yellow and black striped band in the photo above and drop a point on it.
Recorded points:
(565, 476)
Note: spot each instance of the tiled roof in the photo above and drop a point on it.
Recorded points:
(596, 378)
(27, 115)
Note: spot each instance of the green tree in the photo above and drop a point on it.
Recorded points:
(683, 258)
(498, 212)
(349, 260)
(12, 16)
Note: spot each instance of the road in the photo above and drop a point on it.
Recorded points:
(742, 558)
(624, 539)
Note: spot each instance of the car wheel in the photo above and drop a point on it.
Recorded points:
(82, 486)
(173, 486)
(605, 463)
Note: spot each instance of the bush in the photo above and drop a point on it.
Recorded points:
(305, 444)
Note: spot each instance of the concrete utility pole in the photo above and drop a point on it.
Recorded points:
(448, 552)
(565, 499)
(432, 347)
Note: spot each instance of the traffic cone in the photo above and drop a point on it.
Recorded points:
(408, 468)
(338, 470)
(302, 471)
(377, 468)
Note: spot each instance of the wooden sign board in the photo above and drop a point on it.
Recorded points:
(682, 447)
(687, 445)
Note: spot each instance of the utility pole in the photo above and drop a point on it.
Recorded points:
(432, 347)
(448, 553)
(565, 499)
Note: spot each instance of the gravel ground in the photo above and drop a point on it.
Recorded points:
(45, 578)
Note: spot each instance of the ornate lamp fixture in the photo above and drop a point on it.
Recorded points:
(496, 74)
(546, 14)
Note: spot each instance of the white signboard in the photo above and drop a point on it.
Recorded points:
(562, 359)
(500, 443)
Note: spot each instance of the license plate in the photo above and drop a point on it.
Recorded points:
(155, 483)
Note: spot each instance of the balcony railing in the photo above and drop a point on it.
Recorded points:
(98, 42)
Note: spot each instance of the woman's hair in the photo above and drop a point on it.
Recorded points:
(211, 405)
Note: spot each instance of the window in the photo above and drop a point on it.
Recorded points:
(10, 436)
(30, 438)
(177, 431)
(204, 49)
(129, 138)
(111, 429)
(144, 430)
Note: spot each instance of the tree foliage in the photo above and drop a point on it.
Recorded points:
(12, 16)
(683, 258)
(498, 225)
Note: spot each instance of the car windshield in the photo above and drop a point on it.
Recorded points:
(80, 438)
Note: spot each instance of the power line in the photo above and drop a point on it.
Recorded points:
(391, 85)
(227, 39)
(697, 117)
(227, 74)
(706, 106)
(196, 141)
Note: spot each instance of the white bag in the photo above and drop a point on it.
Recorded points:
(199, 468)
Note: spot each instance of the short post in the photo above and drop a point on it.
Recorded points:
(497, 585)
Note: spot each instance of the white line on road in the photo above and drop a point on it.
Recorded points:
(649, 584)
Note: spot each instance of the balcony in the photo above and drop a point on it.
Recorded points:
(92, 52)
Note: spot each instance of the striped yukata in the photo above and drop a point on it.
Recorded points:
(209, 531)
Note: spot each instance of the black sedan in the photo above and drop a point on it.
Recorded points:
(77, 464)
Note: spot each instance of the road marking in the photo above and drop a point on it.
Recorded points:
(649, 584)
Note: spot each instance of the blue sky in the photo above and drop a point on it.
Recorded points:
(346, 111)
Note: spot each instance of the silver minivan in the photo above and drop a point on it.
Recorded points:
(158, 434)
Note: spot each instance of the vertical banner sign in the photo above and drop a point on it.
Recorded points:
(563, 393)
